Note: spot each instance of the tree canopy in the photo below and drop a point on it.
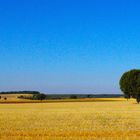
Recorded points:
(130, 84)
(20, 92)
(39, 96)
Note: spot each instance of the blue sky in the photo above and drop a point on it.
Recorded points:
(76, 46)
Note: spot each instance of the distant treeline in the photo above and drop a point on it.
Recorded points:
(77, 96)
(68, 96)
(35, 95)
(20, 92)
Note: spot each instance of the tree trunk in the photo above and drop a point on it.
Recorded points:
(138, 100)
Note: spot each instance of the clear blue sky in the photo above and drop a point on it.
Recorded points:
(68, 46)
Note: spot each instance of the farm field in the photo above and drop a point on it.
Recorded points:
(12, 97)
(101, 119)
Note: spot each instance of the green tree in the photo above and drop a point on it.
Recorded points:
(130, 84)
(39, 97)
(73, 97)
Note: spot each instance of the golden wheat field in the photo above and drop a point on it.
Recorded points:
(103, 119)
(12, 97)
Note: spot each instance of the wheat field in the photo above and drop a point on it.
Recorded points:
(112, 119)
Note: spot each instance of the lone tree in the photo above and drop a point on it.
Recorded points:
(130, 84)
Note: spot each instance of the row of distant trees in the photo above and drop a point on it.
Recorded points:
(130, 84)
(20, 92)
(41, 96)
